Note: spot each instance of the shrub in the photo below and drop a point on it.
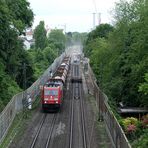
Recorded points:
(145, 121)
(131, 128)
(129, 123)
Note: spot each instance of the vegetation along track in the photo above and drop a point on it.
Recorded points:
(42, 125)
(77, 118)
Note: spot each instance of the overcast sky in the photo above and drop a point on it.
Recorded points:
(73, 15)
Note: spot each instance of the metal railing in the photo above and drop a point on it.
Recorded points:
(19, 101)
(115, 132)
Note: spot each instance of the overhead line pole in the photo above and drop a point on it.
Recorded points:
(99, 18)
(98, 15)
(94, 24)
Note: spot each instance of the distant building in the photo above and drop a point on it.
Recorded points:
(28, 38)
(29, 34)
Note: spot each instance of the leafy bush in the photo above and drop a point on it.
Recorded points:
(135, 129)
(144, 86)
(145, 121)
(130, 124)
(142, 141)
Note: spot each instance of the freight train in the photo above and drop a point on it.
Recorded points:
(52, 91)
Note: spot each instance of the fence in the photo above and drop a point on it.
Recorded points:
(19, 101)
(115, 131)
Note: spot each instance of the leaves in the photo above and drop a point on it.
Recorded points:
(15, 17)
(40, 36)
(143, 87)
(57, 38)
(119, 59)
(8, 87)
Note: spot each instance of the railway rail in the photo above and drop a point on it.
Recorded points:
(71, 121)
(51, 131)
(38, 131)
(77, 95)
(83, 116)
(42, 123)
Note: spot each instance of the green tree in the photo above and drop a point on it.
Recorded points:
(126, 51)
(101, 31)
(40, 36)
(8, 87)
(15, 17)
(143, 87)
(131, 29)
(41, 59)
(49, 54)
(57, 38)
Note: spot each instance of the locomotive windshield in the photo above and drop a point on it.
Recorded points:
(51, 92)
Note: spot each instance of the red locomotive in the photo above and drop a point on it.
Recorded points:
(52, 92)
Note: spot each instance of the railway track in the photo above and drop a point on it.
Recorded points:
(51, 131)
(49, 135)
(83, 116)
(77, 104)
(71, 121)
(38, 131)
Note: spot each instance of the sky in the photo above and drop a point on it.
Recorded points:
(71, 15)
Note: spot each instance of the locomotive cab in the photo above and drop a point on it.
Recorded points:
(52, 96)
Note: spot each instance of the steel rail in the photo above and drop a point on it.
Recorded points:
(82, 117)
(38, 131)
(51, 130)
(77, 90)
(71, 119)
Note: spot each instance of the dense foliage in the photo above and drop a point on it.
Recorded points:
(57, 37)
(40, 36)
(41, 59)
(136, 130)
(55, 43)
(15, 17)
(47, 48)
(19, 68)
(119, 56)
